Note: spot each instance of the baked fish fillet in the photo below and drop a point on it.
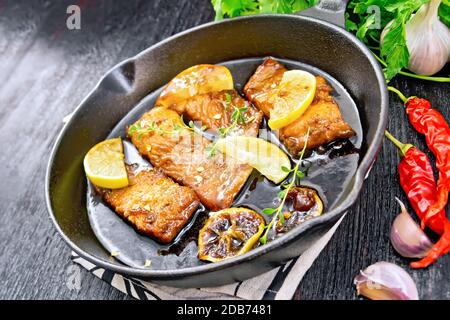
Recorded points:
(183, 155)
(323, 116)
(153, 203)
(214, 111)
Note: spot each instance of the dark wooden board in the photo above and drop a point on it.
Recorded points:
(45, 71)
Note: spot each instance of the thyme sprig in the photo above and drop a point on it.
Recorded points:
(282, 195)
(152, 127)
(237, 118)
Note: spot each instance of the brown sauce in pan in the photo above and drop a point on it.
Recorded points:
(329, 170)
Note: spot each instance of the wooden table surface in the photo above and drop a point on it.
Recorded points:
(46, 70)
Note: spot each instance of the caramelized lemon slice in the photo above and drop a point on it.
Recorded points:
(104, 165)
(291, 98)
(262, 155)
(229, 233)
(199, 79)
(304, 203)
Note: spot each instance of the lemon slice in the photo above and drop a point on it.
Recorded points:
(229, 233)
(104, 165)
(264, 156)
(291, 98)
(199, 79)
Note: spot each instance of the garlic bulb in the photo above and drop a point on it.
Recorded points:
(428, 40)
(407, 237)
(386, 281)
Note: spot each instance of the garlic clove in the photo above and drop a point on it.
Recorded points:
(428, 40)
(386, 281)
(407, 238)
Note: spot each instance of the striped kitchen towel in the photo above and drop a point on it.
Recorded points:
(277, 284)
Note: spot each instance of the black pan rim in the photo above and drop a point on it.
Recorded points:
(360, 174)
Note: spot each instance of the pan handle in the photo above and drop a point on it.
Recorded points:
(332, 11)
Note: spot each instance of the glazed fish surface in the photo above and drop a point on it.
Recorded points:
(186, 156)
(215, 110)
(153, 203)
(323, 116)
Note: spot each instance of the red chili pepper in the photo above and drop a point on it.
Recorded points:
(439, 249)
(417, 181)
(432, 124)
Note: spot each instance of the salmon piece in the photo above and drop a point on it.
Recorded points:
(324, 119)
(323, 116)
(259, 87)
(184, 156)
(154, 204)
(214, 111)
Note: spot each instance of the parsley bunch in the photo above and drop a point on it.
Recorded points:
(235, 8)
(365, 18)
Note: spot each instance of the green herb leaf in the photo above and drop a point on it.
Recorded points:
(211, 150)
(132, 129)
(269, 211)
(222, 132)
(227, 98)
(300, 174)
(362, 30)
(235, 8)
(404, 7)
(263, 239)
(349, 24)
(281, 217)
(139, 130)
(394, 49)
(285, 169)
(444, 12)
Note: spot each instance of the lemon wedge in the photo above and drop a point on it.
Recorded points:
(199, 79)
(291, 98)
(104, 165)
(262, 155)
